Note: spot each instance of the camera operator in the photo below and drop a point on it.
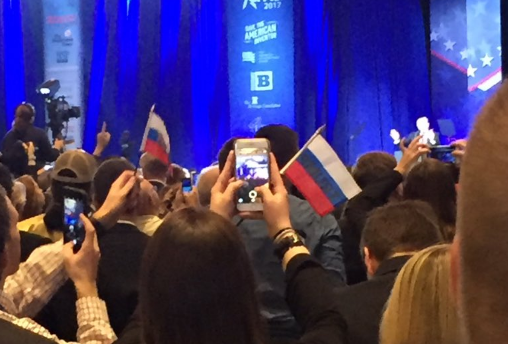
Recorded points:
(26, 148)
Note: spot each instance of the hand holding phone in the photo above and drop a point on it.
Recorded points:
(75, 203)
(253, 168)
(223, 199)
(82, 266)
(443, 153)
(275, 200)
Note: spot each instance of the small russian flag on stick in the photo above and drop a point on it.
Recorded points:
(320, 175)
(156, 138)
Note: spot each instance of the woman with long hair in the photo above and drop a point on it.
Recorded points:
(34, 198)
(197, 285)
(432, 181)
(421, 308)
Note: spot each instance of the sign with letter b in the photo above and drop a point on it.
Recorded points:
(261, 81)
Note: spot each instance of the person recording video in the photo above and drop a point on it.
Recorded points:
(26, 148)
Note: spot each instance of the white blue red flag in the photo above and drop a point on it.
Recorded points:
(320, 175)
(156, 139)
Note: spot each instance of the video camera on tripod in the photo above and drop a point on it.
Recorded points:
(59, 110)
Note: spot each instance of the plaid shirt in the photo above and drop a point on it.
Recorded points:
(29, 289)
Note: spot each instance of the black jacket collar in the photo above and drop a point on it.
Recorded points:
(391, 266)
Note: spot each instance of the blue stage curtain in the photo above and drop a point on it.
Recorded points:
(171, 53)
(362, 70)
(21, 58)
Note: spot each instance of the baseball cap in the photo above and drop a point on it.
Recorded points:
(75, 166)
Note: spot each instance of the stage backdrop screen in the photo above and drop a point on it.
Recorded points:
(62, 56)
(466, 58)
(261, 64)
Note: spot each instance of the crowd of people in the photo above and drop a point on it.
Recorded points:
(415, 258)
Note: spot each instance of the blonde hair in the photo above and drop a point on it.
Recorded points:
(420, 309)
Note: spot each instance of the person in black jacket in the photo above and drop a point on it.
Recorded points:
(391, 235)
(378, 175)
(122, 245)
(197, 285)
(17, 143)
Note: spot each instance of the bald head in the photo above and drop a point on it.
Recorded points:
(206, 182)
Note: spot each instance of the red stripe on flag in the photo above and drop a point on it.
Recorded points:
(157, 151)
(310, 190)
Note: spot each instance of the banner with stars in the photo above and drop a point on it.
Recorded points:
(466, 64)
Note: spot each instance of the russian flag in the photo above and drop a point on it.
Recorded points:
(156, 138)
(321, 177)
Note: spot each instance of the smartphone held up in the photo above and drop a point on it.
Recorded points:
(75, 203)
(252, 167)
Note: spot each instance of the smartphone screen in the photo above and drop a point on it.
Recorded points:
(74, 229)
(252, 166)
(187, 185)
(443, 153)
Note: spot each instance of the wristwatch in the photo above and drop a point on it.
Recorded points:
(285, 244)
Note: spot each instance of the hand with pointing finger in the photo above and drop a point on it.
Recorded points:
(103, 138)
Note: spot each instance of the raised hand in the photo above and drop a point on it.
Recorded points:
(59, 144)
(411, 154)
(395, 135)
(275, 201)
(223, 201)
(103, 138)
(82, 266)
(460, 149)
(122, 195)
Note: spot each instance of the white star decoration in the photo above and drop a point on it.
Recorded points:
(487, 60)
(449, 45)
(471, 71)
(434, 36)
(465, 54)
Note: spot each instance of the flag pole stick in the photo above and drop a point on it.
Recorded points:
(293, 159)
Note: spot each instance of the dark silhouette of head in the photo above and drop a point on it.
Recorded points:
(399, 228)
(283, 142)
(155, 169)
(197, 285)
(107, 173)
(227, 147)
(371, 166)
(23, 116)
(432, 181)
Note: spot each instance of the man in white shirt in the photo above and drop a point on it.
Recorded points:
(429, 136)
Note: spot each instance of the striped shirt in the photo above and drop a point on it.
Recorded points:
(32, 286)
